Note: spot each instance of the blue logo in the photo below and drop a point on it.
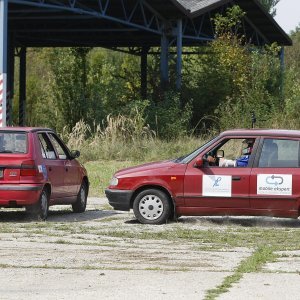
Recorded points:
(274, 180)
(217, 181)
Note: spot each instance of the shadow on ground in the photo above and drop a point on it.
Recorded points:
(243, 221)
(63, 215)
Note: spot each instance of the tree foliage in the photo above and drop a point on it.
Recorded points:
(222, 85)
(269, 5)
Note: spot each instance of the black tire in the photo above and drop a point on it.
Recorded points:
(41, 208)
(80, 205)
(152, 206)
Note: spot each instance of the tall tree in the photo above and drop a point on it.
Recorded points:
(269, 5)
(70, 91)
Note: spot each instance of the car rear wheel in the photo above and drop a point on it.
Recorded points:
(41, 208)
(80, 204)
(152, 206)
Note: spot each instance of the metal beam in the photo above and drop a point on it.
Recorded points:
(179, 55)
(164, 59)
(3, 60)
(10, 78)
(258, 32)
(22, 87)
(102, 13)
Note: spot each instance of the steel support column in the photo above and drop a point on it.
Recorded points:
(144, 64)
(179, 55)
(164, 59)
(3, 60)
(10, 79)
(22, 88)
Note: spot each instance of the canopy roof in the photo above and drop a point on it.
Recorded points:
(130, 23)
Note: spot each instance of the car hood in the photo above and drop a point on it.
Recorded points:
(146, 167)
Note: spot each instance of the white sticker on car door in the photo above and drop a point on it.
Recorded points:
(274, 184)
(216, 185)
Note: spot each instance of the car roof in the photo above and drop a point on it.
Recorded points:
(262, 132)
(25, 129)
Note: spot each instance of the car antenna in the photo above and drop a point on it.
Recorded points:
(253, 119)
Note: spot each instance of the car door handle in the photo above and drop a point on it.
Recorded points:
(236, 178)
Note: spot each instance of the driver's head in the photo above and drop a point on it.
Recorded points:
(247, 146)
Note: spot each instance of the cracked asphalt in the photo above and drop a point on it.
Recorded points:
(99, 255)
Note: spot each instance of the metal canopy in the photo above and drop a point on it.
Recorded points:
(114, 24)
(128, 23)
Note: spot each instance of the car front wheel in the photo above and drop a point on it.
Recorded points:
(152, 206)
(80, 204)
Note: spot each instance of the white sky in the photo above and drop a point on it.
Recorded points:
(288, 14)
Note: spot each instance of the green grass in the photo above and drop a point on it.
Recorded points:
(100, 173)
(253, 263)
(228, 237)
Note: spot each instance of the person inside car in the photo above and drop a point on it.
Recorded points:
(242, 161)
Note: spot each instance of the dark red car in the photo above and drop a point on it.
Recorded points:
(240, 172)
(38, 170)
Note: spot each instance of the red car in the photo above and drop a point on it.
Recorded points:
(38, 170)
(240, 172)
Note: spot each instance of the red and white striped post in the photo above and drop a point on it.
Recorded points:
(3, 60)
(2, 100)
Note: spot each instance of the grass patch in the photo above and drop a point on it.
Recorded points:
(62, 242)
(106, 206)
(253, 263)
(100, 173)
(209, 239)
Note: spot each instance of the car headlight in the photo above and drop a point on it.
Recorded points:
(114, 181)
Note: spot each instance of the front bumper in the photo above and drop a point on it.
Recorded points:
(119, 199)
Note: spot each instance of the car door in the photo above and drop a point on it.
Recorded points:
(70, 167)
(55, 168)
(275, 177)
(218, 187)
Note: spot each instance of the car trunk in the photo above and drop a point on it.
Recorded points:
(16, 164)
(10, 168)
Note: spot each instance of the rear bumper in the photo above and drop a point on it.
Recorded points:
(119, 199)
(19, 195)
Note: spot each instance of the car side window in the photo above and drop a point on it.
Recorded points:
(234, 152)
(46, 147)
(62, 153)
(279, 153)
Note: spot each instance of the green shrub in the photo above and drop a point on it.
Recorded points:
(169, 118)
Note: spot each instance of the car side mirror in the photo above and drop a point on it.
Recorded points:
(75, 154)
(198, 163)
(220, 154)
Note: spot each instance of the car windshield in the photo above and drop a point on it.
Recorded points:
(13, 142)
(187, 158)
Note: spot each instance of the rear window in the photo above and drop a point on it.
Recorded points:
(13, 142)
(280, 153)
